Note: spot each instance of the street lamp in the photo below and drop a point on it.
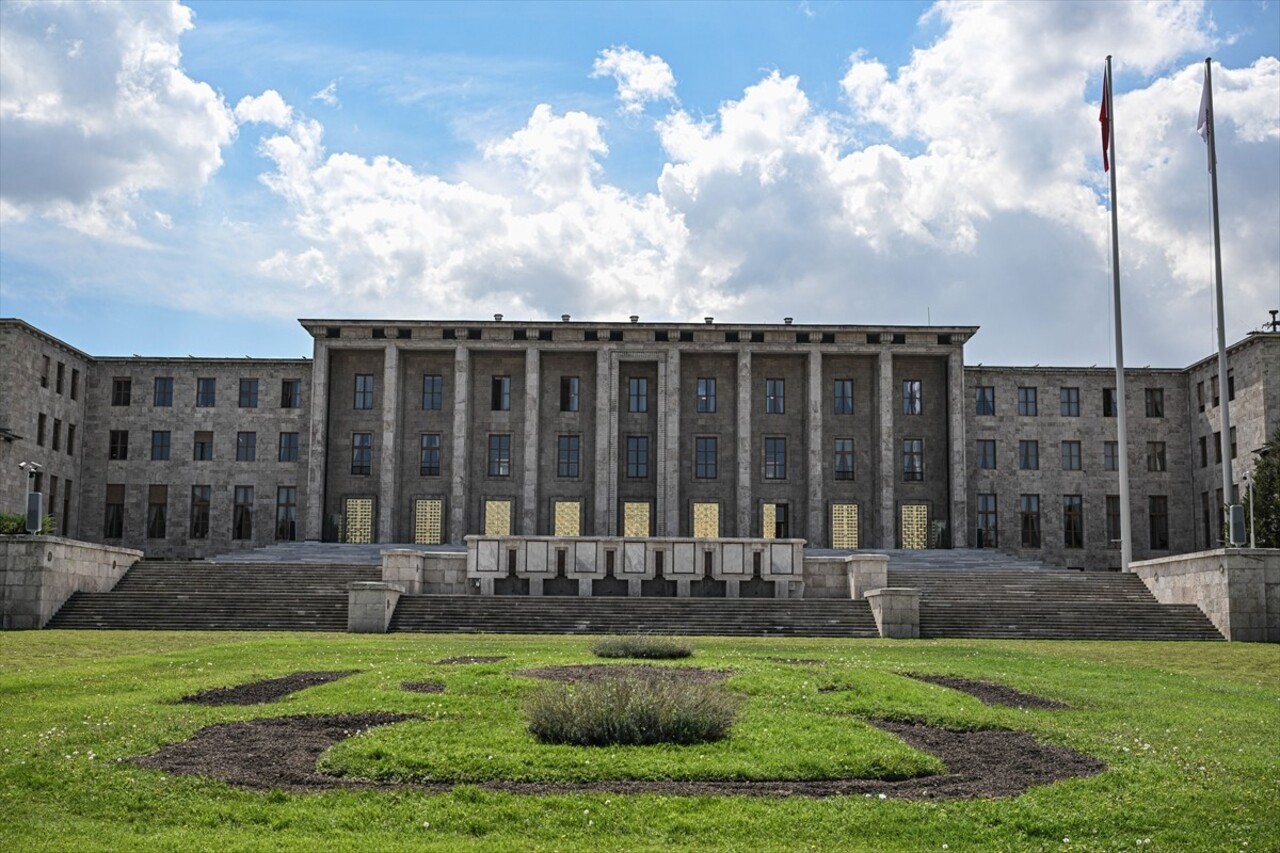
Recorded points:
(33, 498)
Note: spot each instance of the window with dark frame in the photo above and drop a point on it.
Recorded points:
(362, 453)
(912, 402)
(637, 457)
(843, 393)
(432, 392)
(75, 383)
(246, 446)
(242, 514)
(1029, 512)
(1029, 455)
(71, 439)
(429, 454)
(844, 459)
(1113, 530)
(157, 510)
(201, 498)
(121, 390)
(1071, 460)
(206, 392)
(704, 457)
(291, 393)
(248, 394)
(1158, 515)
(912, 460)
(988, 522)
(1110, 405)
(363, 391)
(42, 421)
(706, 395)
(637, 394)
(775, 396)
(775, 457)
(1028, 404)
(56, 443)
(113, 513)
(162, 394)
(288, 447)
(568, 454)
(499, 455)
(570, 393)
(1072, 521)
(985, 400)
(1069, 402)
(61, 376)
(118, 444)
(500, 393)
(160, 445)
(1111, 456)
(1156, 457)
(286, 513)
(986, 453)
(1154, 398)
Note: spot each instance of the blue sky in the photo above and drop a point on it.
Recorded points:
(191, 179)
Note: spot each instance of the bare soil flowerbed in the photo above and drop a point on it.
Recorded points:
(473, 659)
(423, 686)
(603, 671)
(263, 692)
(989, 693)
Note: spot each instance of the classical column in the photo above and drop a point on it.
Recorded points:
(744, 449)
(389, 469)
(816, 528)
(458, 461)
(606, 432)
(888, 453)
(318, 440)
(669, 444)
(959, 508)
(532, 393)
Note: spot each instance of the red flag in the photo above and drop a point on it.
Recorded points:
(1104, 117)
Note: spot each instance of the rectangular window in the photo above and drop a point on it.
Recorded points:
(1110, 456)
(1072, 521)
(1156, 456)
(118, 444)
(1029, 512)
(775, 458)
(246, 446)
(1232, 434)
(113, 517)
(988, 531)
(1200, 395)
(570, 393)
(291, 393)
(121, 391)
(1158, 515)
(1029, 455)
(1205, 518)
(1028, 405)
(775, 396)
(499, 456)
(206, 392)
(986, 448)
(637, 456)
(242, 514)
(288, 451)
(500, 393)
(71, 439)
(1231, 385)
(704, 457)
(1155, 402)
(912, 460)
(432, 392)
(62, 373)
(429, 454)
(637, 394)
(1217, 448)
(361, 453)
(44, 373)
(844, 459)
(42, 421)
(985, 399)
(200, 498)
(248, 393)
(75, 383)
(1071, 456)
(1213, 390)
(706, 395)
(568, 451)
(1113, 521)
(1069, 402)
(912, 404)
(57, 435)
(159, 445)
(203, 448)
(364, 391)
(157, 511)
(162, 394)
(1204, 452)
(1110, 406)
(286, 513)
(843, 390)
(775, 523)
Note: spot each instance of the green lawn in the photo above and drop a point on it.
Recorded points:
(1189, 732)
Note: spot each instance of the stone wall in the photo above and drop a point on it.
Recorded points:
(426, 572)
(1238, 589)
(39, 573)
(850, 575)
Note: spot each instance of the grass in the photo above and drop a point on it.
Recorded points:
(641, 646)
(1188, 731)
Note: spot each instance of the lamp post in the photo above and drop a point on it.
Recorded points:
(1253, 543)
(33, 509)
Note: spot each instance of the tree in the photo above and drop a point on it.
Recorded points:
(1266, 495)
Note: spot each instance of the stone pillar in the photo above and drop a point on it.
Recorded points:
(389, 469)
(867, 572)
(461, 440)
(896, 611)
(668, 509)
(888, 453)
(606, 433)
(532, 393)
(370, 606)
(403, 568)
(318, 440)
(745, 456)
(959, 504)
(816, 527)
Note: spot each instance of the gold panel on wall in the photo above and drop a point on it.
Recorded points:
(768, 521)
(915, 526)
(427, 514)
(635, 519)
(844, 525)
(497, 518)
(568, 518)
(359, 512)
(706, 520)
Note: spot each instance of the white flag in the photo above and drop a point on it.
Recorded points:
(1204, 121)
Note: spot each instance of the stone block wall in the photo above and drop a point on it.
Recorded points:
(39, 573)
(1237, 588)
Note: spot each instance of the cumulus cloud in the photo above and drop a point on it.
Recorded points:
(267, 108)
(97, 109)
(641, 78)
(328, 95)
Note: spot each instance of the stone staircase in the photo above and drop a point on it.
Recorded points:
(741, 617)
(219, 596)
(1048, 604)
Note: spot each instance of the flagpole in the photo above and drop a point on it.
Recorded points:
(1224, 396)
(1122, 422)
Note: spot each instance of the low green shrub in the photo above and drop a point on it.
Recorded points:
(631, 710)
(16, 522)
(641, 646)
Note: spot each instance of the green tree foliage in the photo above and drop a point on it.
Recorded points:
(1266, 495)
(12, 523)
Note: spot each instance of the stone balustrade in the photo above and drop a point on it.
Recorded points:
(1237, 588)
(426, 572)
(39, 573)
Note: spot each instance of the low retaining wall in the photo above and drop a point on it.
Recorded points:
(1237, 588)
(896, 611)
(39, 573)
(426, 572)
(370, 606)
(844, 575)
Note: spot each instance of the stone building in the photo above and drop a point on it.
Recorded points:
(415, 431)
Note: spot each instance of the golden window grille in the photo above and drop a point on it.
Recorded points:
(706, 520)
(915, 526)
(359, 513)
(568, 518)
(427, 514)
(768, 521)
(635, 519)
(844, 525)
(497, 518)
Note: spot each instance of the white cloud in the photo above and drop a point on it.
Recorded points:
(641, 78)
(267, 108)
(328, 95)
(96, 110)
